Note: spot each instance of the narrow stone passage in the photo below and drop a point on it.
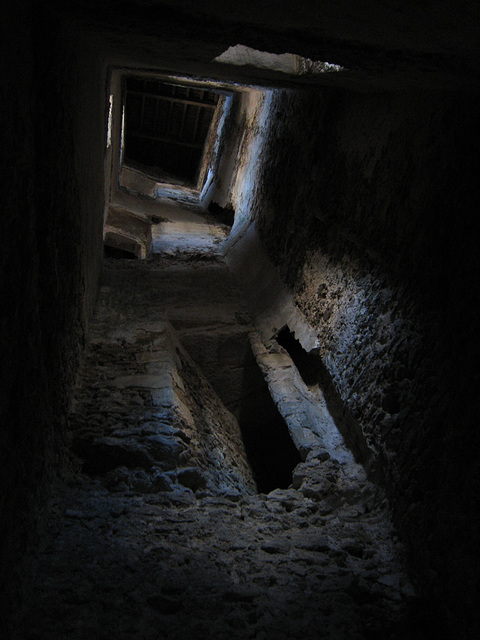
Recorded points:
(160, 531)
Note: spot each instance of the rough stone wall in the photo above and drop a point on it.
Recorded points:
(52, 182)
(152, 410)
(236, 180)
(143, 401)
(367, 208)
(436, 132)
(18, 247)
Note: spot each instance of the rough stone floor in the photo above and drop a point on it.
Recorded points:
(159, 531)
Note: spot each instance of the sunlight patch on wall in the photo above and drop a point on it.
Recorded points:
(109, 123)
(290, 63)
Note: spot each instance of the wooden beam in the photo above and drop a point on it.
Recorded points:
(197, 103)
(148, 136)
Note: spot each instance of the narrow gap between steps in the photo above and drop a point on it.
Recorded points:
(269, 447)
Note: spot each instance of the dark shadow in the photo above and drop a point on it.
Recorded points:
(115, 252)
(270, 449)
(224, 215)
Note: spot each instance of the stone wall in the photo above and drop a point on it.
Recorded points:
(245, 130)
(367, 207)
(365, 201)
(18, 242)
(52, 171)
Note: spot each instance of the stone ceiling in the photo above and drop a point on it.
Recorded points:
(390, 44)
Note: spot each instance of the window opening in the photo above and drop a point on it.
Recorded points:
(167, 127)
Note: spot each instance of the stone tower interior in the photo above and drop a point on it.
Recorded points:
(239, 387)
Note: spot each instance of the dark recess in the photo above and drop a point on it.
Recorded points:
(224, 215)
(270, 449)
(114, 252)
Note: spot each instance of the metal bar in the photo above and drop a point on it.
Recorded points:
(142, 111)
(168, 128)
(195, 128)
(155, 114)
(143, 94)
(183, 120)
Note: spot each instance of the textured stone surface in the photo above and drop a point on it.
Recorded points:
(162, 421)
(349, 199)
(51, 224)
(304, 410)
(130, 564)
(159, 532)
(123, 230)
(373, 258)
